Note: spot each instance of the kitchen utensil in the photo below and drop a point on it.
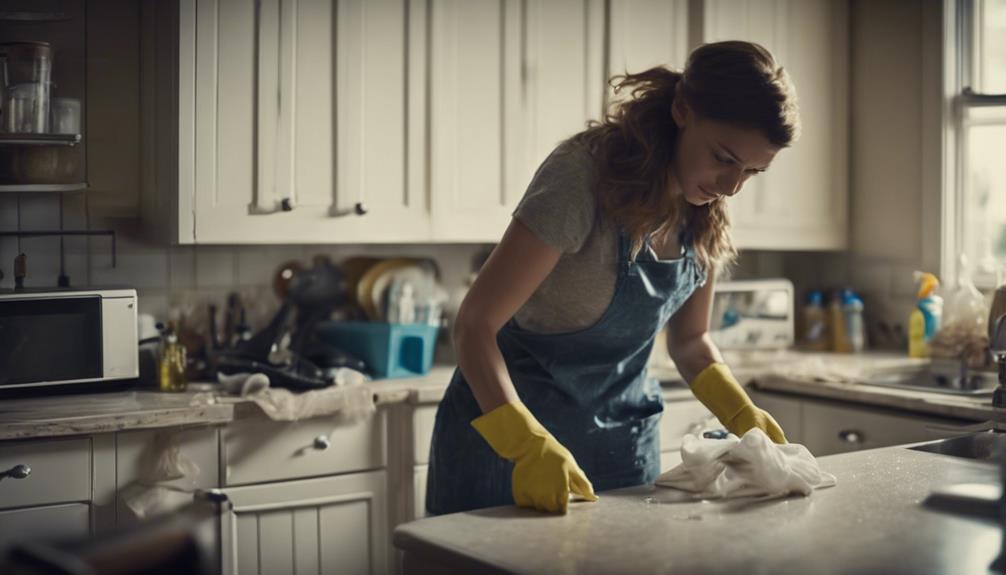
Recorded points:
(367, 290)
(28, 86)
(65, 116)
(283, 276)
(20, 271)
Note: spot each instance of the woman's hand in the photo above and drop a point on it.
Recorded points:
(545, 472)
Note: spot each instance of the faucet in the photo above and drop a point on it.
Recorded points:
(997, 343)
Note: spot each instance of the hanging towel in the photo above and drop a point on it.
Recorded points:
(744, 467)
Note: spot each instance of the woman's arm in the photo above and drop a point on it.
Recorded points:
(688, 341)
(514, 270)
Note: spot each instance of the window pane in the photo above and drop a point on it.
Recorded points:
(991, 47)
(985, 194)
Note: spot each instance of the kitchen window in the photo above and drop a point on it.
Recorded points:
(980, 126)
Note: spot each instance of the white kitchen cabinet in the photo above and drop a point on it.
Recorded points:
(70, 521)
(801, 202)
(324, 525)
(787, 412)
(831, 428)
(294, 114)
(647, 33)
(510, 80)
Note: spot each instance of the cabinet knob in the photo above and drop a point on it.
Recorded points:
(321, 443)
(17, 472)
(851, 436)
(359, 209)
(286, 204)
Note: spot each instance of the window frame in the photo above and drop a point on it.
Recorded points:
(961, 44)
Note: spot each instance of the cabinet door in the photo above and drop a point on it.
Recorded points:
(325, 525)
(44, 524)
(301, 113)
(787, 411)
(800, 203)
(830, 428)
(647, 33)
(510, 80)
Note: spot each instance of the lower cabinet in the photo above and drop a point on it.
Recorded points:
(325, 525)
(47, 523)
(834, 428)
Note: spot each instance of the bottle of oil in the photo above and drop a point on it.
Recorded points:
(171, 369)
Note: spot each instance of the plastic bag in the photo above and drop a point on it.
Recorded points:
(963, 334)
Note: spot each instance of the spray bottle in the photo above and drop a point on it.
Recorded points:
(924, 321)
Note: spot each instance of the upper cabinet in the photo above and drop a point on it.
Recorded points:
(302, 122)
(801, 202)
(355, 121)
(510, 80)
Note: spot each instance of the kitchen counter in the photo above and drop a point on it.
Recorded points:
(114, 411)
(873, 521)
(104, 412)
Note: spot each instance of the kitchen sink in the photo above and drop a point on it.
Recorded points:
(940, 377)
(982, 446)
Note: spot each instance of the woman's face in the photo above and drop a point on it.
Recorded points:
(714, 159)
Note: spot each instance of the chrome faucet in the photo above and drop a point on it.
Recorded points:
(997, 342)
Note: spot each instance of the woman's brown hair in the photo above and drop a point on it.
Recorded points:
(734, 82)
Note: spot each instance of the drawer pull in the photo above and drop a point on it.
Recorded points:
(851, 436)
(321, 443)
(16, 472)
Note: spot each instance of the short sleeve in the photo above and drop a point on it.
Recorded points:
(559, 205)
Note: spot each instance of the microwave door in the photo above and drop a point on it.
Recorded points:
(50, 340)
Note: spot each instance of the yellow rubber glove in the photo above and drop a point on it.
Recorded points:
(544, 471)
(719, 391)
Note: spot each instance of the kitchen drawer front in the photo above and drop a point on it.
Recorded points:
(60, 472)
(422, 426)
(71, 521)
(679, 418)
(830, 429)
(257, 449)
(787, 411)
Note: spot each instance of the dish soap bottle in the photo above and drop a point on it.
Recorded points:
(815, 323)
(171, 370)
(855, 329)
(924, 321)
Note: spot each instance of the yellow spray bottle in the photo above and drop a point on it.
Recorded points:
(924, 321)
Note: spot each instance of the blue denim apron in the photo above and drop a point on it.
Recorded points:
(588, 388)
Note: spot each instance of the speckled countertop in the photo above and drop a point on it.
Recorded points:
(873, 521)
(104, 412)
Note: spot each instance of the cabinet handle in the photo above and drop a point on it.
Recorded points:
(284, 205)
(16, 472)
(358, 209)
(321, 443)
(851, 436)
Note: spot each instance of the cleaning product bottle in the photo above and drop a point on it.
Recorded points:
(814, 333)
(852, 312)
(924, 321)
(171, 369)
(836, 316)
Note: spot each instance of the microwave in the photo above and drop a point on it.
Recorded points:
(64, 336)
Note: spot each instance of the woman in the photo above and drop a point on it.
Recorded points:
(621, 230)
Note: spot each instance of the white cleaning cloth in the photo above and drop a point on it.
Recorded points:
(744, 467)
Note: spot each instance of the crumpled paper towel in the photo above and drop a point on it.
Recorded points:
(348, 397)
(745, 467)
(167, 478)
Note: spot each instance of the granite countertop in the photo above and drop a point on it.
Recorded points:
(873, 521)
(104, 412)
(114, 411)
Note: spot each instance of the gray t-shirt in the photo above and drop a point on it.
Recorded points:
(561, 209)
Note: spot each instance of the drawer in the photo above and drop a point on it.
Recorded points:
(422, 432)
(50, 524)
(830, 429)
(679, 418)
(257, 449)
(60, 472)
